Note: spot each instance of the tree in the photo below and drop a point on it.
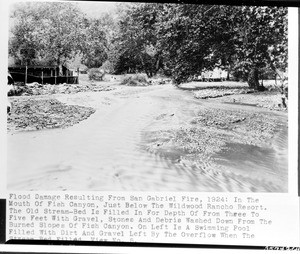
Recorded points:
(260, 41)
(135, 44)
(94, 49)
(23, 41)
(194, 38)
(46, 32)
(244, 38)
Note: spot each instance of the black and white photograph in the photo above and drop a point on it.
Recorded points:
(121, 96)
(148, 124)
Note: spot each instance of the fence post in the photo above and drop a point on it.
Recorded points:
(55, 76)
(77, 75)
(26, 74)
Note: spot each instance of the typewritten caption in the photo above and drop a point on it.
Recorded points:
(142, 217)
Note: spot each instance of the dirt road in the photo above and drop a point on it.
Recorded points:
(114, 149)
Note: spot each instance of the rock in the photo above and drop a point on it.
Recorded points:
(32, 84)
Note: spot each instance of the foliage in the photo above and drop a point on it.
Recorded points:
(135, 80)
(260, 40)
(96, 74)
(94, 49)
(194, 38)
(107, 66)
(136, 41)
(45, 31)
(53, 33)
(179, 40)
(200, 37)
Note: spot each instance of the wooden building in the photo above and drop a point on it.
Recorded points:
(42, 74)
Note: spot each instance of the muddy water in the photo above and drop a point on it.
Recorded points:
(104, 152)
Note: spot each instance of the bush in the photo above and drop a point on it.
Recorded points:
(135, 80)
(107, 66)
(96, 74)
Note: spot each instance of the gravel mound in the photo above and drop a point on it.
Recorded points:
(39, 89)
(214, 93)
(270, 100)
(240, 126)
(210, 131)
(36, 114)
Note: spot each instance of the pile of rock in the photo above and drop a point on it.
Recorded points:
(219, 118)
(240, 125)
(39, 89)
(214, 93)
(160, 81)
(270, 100)
(35, 114)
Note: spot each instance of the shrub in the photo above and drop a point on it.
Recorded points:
(135, 80)
(107, 66)
(96, 74)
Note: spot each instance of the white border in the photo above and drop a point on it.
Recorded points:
(293, 49)
(293, 135)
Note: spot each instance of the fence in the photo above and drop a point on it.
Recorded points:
(22, 77)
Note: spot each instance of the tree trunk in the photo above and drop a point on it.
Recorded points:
(60, 69)
(253, 80)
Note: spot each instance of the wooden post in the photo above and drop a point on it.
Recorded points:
(67, 76)
(77, 75)
(42, 76)
(26, 74)
(55, 76)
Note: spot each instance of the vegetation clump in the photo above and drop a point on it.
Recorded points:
(135, 80)
(96, 74)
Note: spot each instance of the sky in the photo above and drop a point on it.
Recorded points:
(91, 8)
(96, 8)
